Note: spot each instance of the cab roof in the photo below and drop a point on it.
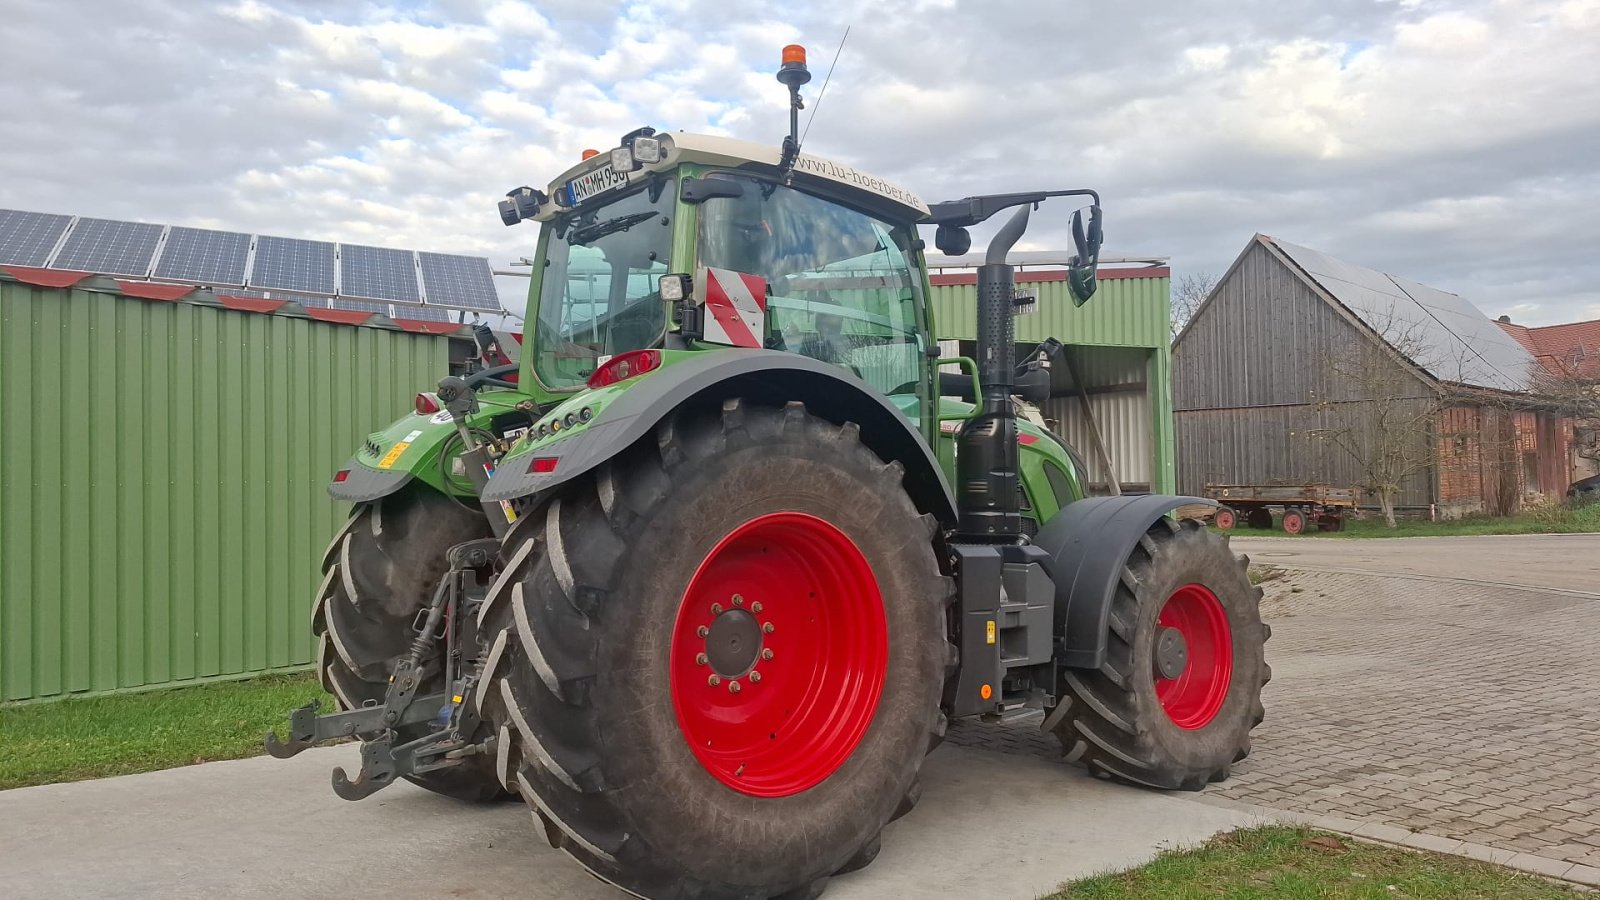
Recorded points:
(680, 147)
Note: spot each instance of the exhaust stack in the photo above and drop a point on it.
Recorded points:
(986, 449)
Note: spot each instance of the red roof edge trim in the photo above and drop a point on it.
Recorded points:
(1036, 277)
(422, 326)
(56, 278)
(250, 304)
(342, 316)
(145, 290)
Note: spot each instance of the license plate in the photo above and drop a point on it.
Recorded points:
(591, 184)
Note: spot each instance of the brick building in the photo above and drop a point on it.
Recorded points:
(1293, 345)
(1570, 357)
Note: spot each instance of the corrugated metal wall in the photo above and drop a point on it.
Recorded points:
(1124, 312)
(162, 481)
(1246, 376)
(1119, 337)
(1126, 417)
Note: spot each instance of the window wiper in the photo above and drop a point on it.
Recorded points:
(588, 234)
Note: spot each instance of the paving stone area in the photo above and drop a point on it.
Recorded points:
(1467, 712)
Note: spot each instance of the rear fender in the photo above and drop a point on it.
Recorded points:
(1088, 542)
(709, 377)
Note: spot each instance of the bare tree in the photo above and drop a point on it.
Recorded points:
(1187, 295)
(1376, 411)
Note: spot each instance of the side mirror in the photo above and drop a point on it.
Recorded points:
(1081, 273)
(952, 240)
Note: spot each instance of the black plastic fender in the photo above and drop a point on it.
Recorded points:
(1088, 542)
(363, 484)
(769, 377)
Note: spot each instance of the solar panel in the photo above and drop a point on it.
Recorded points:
(359, 305)
(463, 281)
(109, 247)
(293, 264)
(204, 256)
(423, 313)
(26, 238)
(1441, 332)
(379, 272)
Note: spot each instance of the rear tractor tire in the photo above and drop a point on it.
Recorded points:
(1173, 705)
(380, 569)
(718, 660)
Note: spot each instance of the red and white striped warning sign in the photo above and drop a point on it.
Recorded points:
(735, 305)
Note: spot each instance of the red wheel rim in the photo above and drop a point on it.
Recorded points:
(1294, 522)
(779, 654)
(1195, 696)
(1225, 520)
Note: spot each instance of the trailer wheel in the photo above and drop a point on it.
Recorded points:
(1173, 705)
(379, 571)
(720, 658)
(1294, 520)
(1225, 518)
(1259, 517)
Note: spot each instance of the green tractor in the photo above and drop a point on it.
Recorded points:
(707, 581)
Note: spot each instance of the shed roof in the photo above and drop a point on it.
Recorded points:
(1440, 332)
(242, 301)
(1569, 350)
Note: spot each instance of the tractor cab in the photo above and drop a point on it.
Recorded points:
(684, 242)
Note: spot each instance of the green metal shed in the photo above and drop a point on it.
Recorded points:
(1118, 346)
(164, 453)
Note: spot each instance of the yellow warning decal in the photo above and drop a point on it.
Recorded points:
(389, 458)
(990, 631)
(456, 698)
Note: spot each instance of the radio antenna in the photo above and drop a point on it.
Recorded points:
(824, 92)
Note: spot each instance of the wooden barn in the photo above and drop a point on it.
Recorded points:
(1301, 368)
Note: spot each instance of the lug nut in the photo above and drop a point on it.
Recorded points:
(768, 628)
(738, 599)
(714, 680)
(755, 607)
(755, 677)
(716, 609)
(767, 653)
(699, 659)
(702, 631)
(733, 687)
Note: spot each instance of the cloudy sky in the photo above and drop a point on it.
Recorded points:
(1457, 143)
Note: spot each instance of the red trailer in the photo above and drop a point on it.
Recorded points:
(1298, 506)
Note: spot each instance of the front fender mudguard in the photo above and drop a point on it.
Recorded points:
(1088, 543)
(362, 484)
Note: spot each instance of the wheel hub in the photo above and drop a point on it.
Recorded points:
(1172, 653)
(779, 654)
(1193, 656)
(734, 643)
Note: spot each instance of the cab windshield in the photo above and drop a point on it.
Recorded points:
(598, 297)
(840, 283)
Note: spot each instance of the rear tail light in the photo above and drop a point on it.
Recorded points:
(340, 476)
(624, 366)
(427, 404)
(543, 465)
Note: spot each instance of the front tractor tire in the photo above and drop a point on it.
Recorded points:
(1173, 705)
(719, 658)
(380, 569)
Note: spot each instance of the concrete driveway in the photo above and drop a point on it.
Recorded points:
(989, 825)
(1566, 562)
